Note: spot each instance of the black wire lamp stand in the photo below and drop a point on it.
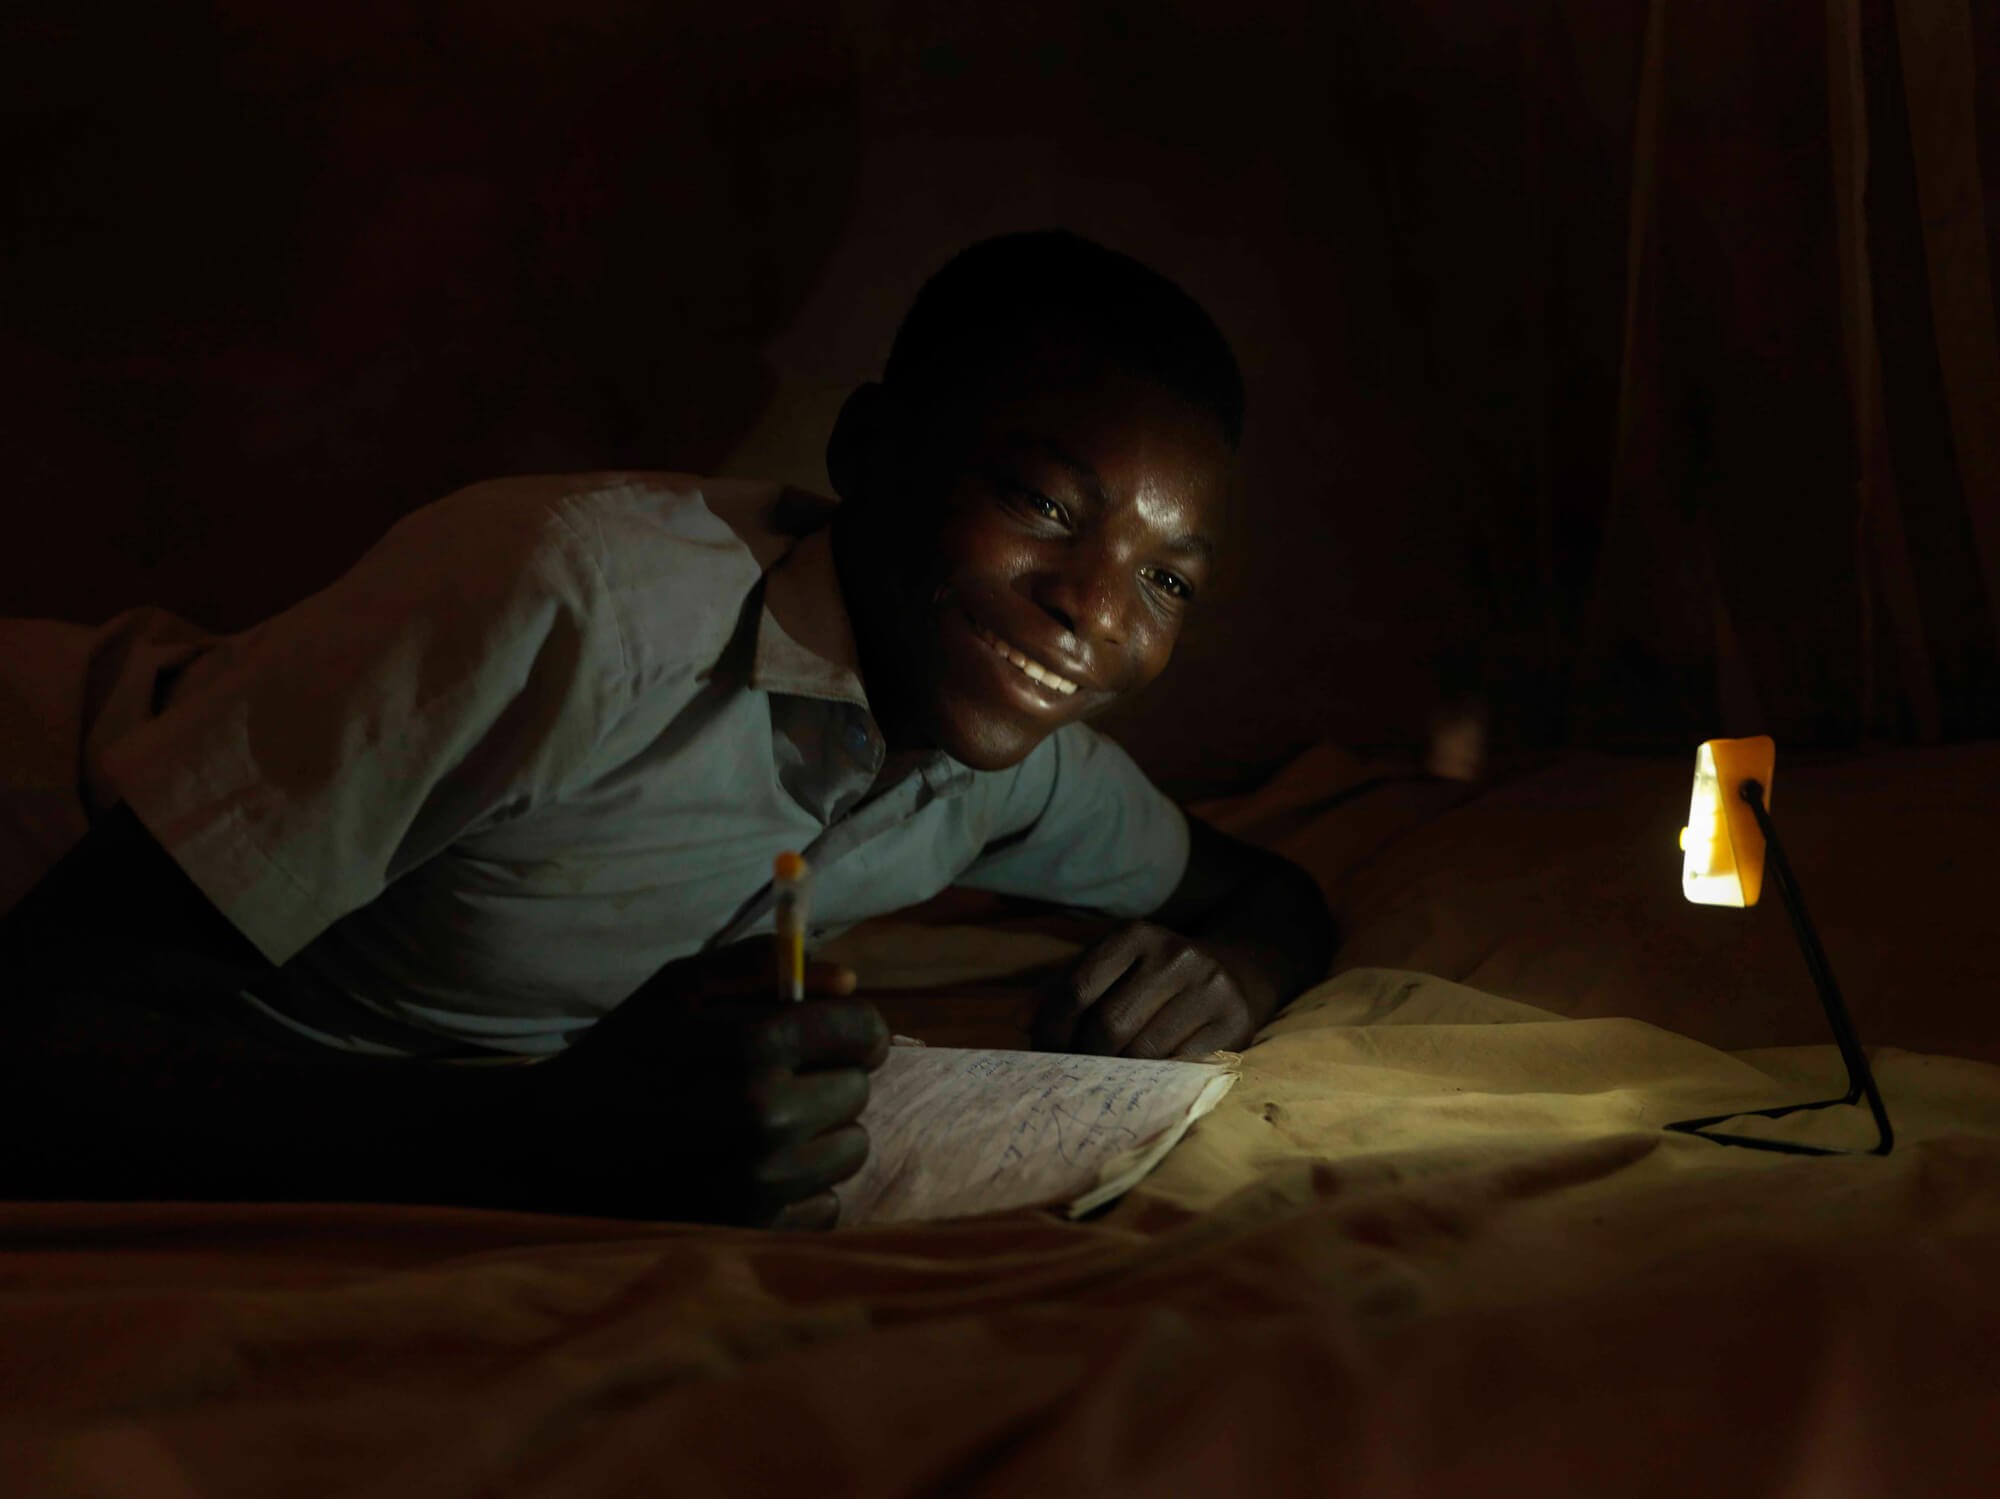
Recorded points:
(1860, 1080)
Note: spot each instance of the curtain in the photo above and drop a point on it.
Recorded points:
(1801, 524)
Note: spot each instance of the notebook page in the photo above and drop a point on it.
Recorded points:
(956, 1132)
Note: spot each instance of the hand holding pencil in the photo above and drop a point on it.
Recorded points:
(757, 1121)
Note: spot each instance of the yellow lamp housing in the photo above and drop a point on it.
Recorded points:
(1722, 861)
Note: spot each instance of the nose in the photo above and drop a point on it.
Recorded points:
(1083, 596)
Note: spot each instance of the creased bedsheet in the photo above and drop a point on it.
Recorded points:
(1433, 1243)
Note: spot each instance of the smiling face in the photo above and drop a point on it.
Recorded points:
(1026, 555)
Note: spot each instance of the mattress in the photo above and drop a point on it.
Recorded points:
(1434, 1242)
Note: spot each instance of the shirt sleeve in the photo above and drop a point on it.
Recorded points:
(457, 675)
(1082, 826)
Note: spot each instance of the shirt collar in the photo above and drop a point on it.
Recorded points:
(805, 641)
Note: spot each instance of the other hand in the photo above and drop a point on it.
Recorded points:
(1149, 992)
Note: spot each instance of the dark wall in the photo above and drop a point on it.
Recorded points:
(279, 273)
(284, 272)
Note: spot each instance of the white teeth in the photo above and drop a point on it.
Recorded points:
(1034, 670)
(1046, 678)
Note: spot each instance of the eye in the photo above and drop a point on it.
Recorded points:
(1170, 583)
(1037, 504)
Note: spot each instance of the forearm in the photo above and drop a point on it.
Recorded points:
(1273, 933)
(117, 916)
(106, 1099)
(1258, 914)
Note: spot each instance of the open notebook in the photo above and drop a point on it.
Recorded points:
(952, 1133)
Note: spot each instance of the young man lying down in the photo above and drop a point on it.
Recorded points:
(512, 788)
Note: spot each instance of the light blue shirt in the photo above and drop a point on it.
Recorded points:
(549, 735)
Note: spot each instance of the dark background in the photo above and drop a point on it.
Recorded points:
(1556, 384)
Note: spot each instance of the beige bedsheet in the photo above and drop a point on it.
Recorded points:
(1433, 1243)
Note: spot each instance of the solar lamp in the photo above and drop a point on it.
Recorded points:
(1726, 848)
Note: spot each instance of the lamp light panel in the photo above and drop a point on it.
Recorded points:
(1722, 859)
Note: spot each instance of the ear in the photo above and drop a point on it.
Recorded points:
(853, 452)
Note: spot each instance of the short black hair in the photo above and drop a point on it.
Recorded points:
(990, 296)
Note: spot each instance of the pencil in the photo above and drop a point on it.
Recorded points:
(788, 883)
